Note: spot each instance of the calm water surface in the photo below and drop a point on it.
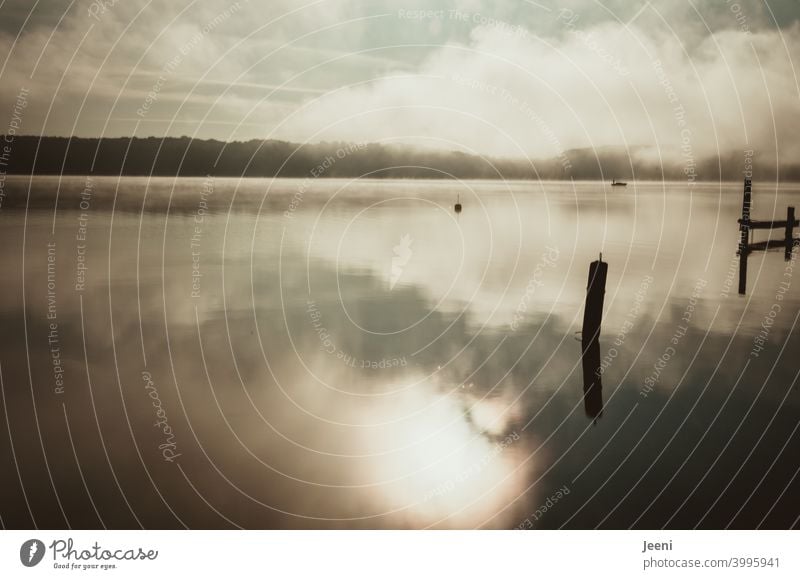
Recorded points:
(354, 354)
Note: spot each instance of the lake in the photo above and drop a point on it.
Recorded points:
(217, 353)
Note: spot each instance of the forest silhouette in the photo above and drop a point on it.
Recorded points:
(183, 156)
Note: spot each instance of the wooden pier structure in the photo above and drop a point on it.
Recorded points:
(747, 225)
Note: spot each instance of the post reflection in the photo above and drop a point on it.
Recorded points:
(592, 381)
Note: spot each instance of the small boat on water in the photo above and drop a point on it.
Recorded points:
(458, 204)
(615, 183)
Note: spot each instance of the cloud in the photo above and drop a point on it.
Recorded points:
(507, 90)
(504, 78)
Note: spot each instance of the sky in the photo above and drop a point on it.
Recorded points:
(665, 78)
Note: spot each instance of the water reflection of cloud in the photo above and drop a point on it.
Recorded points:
(306, 440)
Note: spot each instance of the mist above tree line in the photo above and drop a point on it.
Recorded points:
(272, 158)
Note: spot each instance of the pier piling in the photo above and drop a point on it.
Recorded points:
(590, 335)
(788, 238)
(595, 292)
(744, 240)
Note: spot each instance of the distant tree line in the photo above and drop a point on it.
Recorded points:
(182, 156)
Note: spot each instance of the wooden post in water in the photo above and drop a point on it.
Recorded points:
(789, 234)
(590, 334)
(595, 291)
(744, 241)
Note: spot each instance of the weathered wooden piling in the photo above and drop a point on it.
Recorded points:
(595, 292)
(744, 240)
(788, 237)
(590, 335)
